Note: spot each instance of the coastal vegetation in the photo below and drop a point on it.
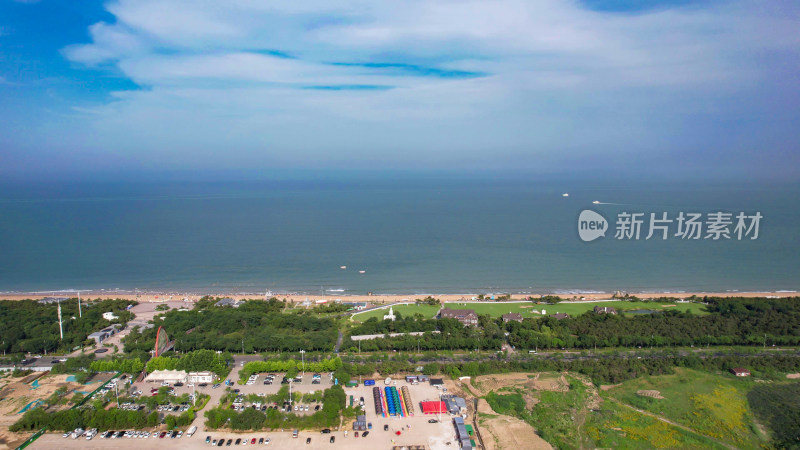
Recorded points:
(253, 326)
(69, 419)
(686, 409)
(775, 406)
(725, 321)
(32, 327)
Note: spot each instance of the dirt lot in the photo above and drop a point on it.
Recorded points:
(539, 382)
(501, 432)
(17, 393)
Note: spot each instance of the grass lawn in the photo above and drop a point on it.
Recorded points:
(407, 310)
(573, 309)
(713, 405)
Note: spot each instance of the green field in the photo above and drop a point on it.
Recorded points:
(526, 309)
(565, 421)
(615, 426)
(713, 405)
(406, 310)
(573, 309)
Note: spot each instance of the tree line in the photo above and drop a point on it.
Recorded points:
(32, 327)
(254, 326)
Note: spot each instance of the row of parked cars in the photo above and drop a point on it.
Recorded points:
(130, 406)
(78, 432)
(239, 441)
(174, 408)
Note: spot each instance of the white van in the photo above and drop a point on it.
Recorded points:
(191, 431)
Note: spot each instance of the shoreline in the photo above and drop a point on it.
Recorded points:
(173, 296)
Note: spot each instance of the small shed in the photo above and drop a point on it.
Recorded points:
(360, 424)
(739, 372)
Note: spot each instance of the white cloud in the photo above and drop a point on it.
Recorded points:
(558, 76)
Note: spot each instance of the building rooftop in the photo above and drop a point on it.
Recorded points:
(456, 313)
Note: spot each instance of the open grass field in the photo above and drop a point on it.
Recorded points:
(407, 310)
(712, 405)
(698, 410)
(615, 426)
(573, 309)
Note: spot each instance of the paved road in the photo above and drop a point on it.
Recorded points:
(338, 342)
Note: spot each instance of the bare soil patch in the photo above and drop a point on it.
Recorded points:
(537, 382)
(507, 433)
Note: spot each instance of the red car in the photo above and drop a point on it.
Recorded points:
(253, 441)
(161, 436)
(356, 433)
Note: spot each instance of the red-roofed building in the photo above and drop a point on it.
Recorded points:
(433, 407)
(740, 372)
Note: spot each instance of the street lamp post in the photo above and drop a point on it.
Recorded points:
(303, 361)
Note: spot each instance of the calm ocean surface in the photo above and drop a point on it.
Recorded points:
(410, 235)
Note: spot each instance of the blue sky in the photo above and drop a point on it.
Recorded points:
(674, 87)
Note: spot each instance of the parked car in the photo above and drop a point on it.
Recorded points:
(333, 438)
(365, 434)
(308, 440)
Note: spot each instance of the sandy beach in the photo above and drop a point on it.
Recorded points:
(376, 299)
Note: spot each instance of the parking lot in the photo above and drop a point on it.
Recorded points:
(414, 430)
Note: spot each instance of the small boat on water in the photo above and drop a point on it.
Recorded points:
(362, 271)
(565, 194)
(596, 202)
(343, 267)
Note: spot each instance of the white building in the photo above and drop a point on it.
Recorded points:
(170, 376)
(389, 316)
(109, 316)
(201, 377)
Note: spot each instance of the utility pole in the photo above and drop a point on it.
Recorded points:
(60, 326)
(765, 341)
(80, 313)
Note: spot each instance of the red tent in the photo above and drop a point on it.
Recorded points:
(433, 407)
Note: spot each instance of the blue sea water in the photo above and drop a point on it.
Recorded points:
(410, 234)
